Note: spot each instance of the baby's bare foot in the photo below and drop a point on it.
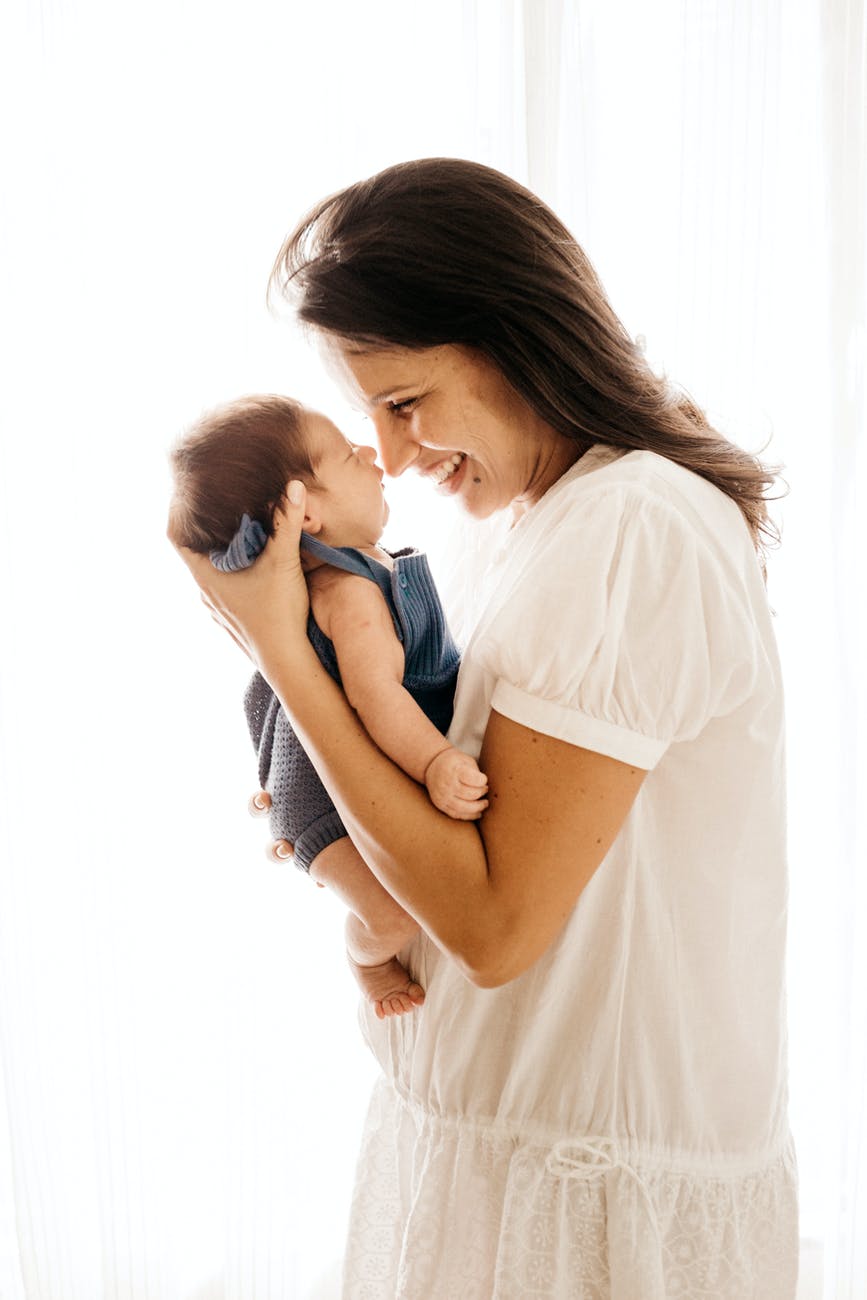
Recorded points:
(389, 986)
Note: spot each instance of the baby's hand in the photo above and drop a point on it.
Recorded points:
(455, 784)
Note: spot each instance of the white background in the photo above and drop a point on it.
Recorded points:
(183, 1077)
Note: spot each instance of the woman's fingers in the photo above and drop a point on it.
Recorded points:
(282, 547)
(292, 508)
(263, 607)
(280, 851)
(259, 804)
(288, 524)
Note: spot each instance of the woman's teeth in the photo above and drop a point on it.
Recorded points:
(448, 467)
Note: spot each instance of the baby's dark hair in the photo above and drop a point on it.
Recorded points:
(237, 459)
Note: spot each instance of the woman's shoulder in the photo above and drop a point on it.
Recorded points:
(609, 485)
(639, 476)
(635, 513)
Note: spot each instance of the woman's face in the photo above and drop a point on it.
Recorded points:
(449, 414)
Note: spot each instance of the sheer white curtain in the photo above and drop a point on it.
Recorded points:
(845, 123)
(181, 1082)
(712, 159)
(183, 1076)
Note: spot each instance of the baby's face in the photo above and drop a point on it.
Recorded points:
(346, 500)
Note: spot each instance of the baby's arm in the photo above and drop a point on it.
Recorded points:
(352, 612)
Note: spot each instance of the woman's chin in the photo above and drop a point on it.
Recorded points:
(476, 506)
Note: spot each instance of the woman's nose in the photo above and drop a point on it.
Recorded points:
(396, 449)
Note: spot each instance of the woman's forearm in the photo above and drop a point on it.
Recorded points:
(433, 866)
(493, 894)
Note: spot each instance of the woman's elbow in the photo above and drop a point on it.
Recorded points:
(489, 979)
(490, 966)
(495, 941)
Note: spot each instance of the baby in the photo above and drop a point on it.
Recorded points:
(375, 622)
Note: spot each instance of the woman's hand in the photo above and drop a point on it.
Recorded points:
(259, 805)
(263, 608)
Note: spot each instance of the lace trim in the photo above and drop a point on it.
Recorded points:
(448, 1211)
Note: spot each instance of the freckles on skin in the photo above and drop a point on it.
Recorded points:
(490, 429)
(458, 402)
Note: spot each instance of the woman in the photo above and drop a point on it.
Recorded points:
(592, 1101)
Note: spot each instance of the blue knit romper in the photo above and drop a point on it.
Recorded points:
(301, 810)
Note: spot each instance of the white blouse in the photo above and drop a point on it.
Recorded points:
(612, 1124)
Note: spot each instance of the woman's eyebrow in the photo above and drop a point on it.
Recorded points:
(378, 398)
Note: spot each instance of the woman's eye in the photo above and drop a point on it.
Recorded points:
(406, 405)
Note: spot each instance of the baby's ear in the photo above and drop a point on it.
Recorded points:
(312, 512)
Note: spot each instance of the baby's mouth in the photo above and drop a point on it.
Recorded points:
(447, 468)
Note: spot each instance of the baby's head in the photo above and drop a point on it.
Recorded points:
(240, 458)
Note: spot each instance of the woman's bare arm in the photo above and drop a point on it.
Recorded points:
(493, 894)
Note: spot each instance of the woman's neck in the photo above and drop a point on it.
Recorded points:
(552, 462)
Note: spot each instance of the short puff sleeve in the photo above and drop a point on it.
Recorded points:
(622, 632)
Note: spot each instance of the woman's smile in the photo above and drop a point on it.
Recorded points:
(449, 414)
(446, 473)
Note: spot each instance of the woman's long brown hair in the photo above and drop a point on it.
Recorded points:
(447, 251)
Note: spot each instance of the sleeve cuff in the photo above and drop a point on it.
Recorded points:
(553, 719)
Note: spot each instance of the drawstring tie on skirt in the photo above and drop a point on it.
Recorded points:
(587, 1159)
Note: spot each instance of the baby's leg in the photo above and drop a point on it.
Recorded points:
(377, 927)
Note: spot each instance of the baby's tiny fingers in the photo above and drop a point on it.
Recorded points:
(259, 804)
(468, 811)
(473, 777)
(280, 851)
